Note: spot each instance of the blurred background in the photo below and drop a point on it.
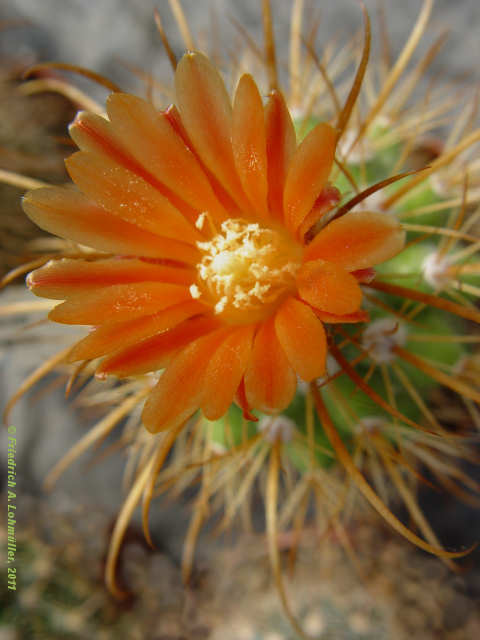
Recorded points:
(392, 590)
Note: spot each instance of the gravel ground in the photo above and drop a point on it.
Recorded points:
(392, 592)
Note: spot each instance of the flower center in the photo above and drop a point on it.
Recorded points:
(246, 270)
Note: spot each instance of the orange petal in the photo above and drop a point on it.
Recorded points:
(309, 170)
(326, 201)
(358, 240)
(349, 318)
(206, 112)
(179, 391)
(150, 138)
(227, 202)
(242, 402)
(364, 275)
(224, 372)
(68, 214)
(328, 287)
(155, 353)
(59, 279)
(249, 143)
(92, 132)
(113, 336)
(302, 338)
(97, 135)
(270, 381)
(119, 302)
(281, 143)
(128, 196)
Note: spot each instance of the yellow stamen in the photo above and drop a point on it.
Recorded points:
(246, 269)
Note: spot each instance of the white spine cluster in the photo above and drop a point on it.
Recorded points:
(435, 269)
(276, 428)
(381, 337)
(370, 425)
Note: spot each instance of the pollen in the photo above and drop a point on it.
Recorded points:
(246, 270)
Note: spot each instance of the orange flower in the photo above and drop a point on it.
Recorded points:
(203, 212)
